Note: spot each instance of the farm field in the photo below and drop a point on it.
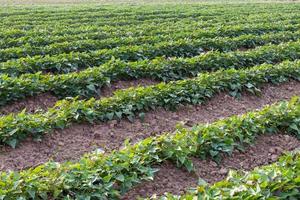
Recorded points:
(150, 100)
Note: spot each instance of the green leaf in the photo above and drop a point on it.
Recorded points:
(295, 127)
(31, 193)
(119, 114)
(120, 178)
(142, 116)
(130, 118)
(109, 116)
(202, 182)
(12, 143)
(91, 87)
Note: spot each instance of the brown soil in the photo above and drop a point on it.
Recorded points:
(266, 150)
(244, 49)
(47, 100)
(31, 104)
(71, 143)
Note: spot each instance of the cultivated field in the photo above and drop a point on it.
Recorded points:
(158, 100)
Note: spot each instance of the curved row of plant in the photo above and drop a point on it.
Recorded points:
(90, 21)
(112, 35)
(107, 11)
(182, 48)
(112, 11)
(102, 11)
(59, 29)
(93, 45)
(134, 16)
(33, 30)
(189, 12)
(96, 32)
(13, 35)
(109, 16)
(279, 180)
(88, 83)
(81, 17)
(99, 176)
(133, 101)
(125, 10)
(141, 12)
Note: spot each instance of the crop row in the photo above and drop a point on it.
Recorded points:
(110, 22)
(96, 32)
(279, 180)
(93, 45)
(88, 82)
(27, 29)
(106, 12)
(65, 17)
(128, 103)
(73, 29)
(143, 33)
(181, 48)
(111, 11)
(59, 29)
(136, 16)
(113, 17)
(99, 176)
(114, 20)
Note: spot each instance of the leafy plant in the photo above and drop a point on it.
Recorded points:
(88, 82)
(279, 180)
(89, 44)
(99, 176)
(186, 47)
(128, 103)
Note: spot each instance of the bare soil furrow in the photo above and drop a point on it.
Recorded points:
(31, 104)
(169, 178)
(46, 100)
(71, 143)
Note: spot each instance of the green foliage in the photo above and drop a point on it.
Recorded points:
(20, 23)
(185, 47)
(88, 82)
(279, 180)
(99, 176)
(129, 102)
(145, 32)
(74, 52)
(90, 45)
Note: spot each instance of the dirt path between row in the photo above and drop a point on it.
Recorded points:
(266, 150)
(71, 143)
